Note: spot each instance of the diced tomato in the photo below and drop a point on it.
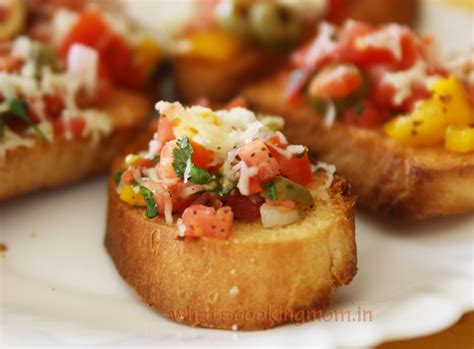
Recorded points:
(144, 163)
(296, 169)
(75, 126)
(201, 156)
(54, 105)
(237, 102)
(356, 45)
(165, 130)
(256, 154)
(335, 82)
(275, 140)
(245, 208)
(165, 168)
(180, 204)
(365, 115)
(92, 30)
(127, 177)
(203, 221)
(255, 185)
(9, 64)
(161, 195)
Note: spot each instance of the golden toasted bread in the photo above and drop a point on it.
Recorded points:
(47, 165)
(395, 180)
(257, 279)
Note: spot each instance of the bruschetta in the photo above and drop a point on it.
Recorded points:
(377, 102)
(217, 221)
(234, 42)
(67, 103)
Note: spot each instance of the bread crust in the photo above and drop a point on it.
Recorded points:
(257, 279)
(48, 165)
(394, 180)
(197, 78)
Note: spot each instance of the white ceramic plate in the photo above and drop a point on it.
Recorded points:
(59, 287)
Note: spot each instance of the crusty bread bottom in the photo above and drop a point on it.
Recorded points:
(395, 180)
(47, 165)
(257, 279)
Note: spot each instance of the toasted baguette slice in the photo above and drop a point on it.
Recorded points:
(196, 78)
(391, 179)
(47, 165)
(257, 279)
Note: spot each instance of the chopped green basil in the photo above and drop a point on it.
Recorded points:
(182, 154)
(270, 191)
(151, 209)
(18, 109)
(117, 177)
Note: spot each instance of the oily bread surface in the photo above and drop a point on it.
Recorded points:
(391, 179)
(47, 165)
(257, 279)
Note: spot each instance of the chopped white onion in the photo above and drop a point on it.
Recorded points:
(190, 190)
(168, 211)
(181, 228)
(245, 174)
(274, 216)
(330, 115)
(82, 63)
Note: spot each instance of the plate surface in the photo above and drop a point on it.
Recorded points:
(59, 287)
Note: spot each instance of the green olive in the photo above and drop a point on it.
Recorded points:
(232, 16)
(44, 56)
(14, 12)
(275, 26)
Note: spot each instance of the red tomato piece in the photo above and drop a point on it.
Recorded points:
(165, 130)
(245, 208)
(54, 105)
(161, 195)
(365, 115)
(296, 169)
(237, 102)
(165, 168)
(256, 154)
(335, 82)
(9, 64)
(127, 177)
(115, 56)
(203, 221)
(201, 156)
(75, 126)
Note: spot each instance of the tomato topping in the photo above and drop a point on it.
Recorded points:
(296, 168)
(165, 130)
(161, 195)
(165, 168)
(127, 177)
(203, 221)
(245, 208)
(335, 82)
(9, 64)
(365, 114)
(75, 126)
(54, 105)
(237, 102)
(115, 56)
(201, 156)
(256, 154)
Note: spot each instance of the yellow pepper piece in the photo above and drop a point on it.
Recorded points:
(129, 196)
(214, 45)
(148, 54)
(452, 95)
(460, 139)
(424, 127)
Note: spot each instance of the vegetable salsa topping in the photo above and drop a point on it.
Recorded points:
(212, 167)
(385, 77)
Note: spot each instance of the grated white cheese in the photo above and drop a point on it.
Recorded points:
(296, 149)
(403, 81)
(181, 228)
(82, 63)
(387, 38)
(62, 23)
(330, 115)
(234, 291)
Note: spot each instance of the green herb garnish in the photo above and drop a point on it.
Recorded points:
(18, 109)
(117, 177)
(182, 154)
(151, 209)
(270, 191)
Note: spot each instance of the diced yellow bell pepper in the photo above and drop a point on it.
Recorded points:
(131, 197)
(452, 95)
(213, 45)
(460, 139)
(424, 127)
(148, 53)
